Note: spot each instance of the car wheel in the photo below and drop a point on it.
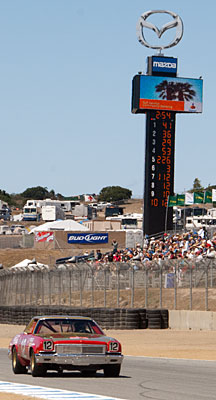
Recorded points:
(17, 367)
(35, 368)
(112, 370)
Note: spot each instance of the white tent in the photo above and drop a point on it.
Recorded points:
(61, 225)
(29, 264)
(22, 263)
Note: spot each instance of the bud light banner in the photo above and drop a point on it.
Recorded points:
(87, 238)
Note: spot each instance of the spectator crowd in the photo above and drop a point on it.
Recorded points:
(188, 245)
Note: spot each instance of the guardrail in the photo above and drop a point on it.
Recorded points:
(172, 284)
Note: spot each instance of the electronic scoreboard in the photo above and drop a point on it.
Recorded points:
(159, 170)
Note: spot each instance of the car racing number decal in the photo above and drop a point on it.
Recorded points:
(47, 345)
(113, 346)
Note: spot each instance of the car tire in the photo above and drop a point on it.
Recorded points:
(35, 368)
(112, 370)
(17, 367)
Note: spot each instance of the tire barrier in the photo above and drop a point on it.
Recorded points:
(157, 318)
(107, 318)
(154, 319)
(143, 322)
(164, 319)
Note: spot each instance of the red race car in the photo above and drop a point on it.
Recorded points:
(64, 343)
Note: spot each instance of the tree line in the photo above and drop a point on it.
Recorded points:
(109, 194)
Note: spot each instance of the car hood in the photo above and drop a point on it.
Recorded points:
(67, 337)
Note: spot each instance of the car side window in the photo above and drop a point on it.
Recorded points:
(45, 326)
(31, 326)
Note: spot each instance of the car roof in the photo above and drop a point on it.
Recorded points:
(62, 317)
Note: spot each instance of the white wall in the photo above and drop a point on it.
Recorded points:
(194, 320)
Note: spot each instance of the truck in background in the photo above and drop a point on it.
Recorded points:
(84, 211)
(128, 221)
(31, 213)
(5, 211)
(112, 211)
(52, 213)
(32, 210)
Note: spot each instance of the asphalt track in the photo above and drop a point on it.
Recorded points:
(141, 378)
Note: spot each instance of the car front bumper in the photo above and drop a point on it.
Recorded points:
(79, 359)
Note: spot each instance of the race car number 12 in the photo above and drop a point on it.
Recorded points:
(113, 346)
(47, 345)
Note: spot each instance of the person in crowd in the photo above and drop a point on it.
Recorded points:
(110, 257)
(117, 256)
(114, 245)
(98, 255)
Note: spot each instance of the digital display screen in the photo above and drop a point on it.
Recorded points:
(166, 93)
(159, 171)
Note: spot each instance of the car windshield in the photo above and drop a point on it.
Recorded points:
(67, 325)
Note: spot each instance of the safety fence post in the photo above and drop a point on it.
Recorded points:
(191, 299)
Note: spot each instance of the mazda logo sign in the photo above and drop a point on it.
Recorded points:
(175, 23)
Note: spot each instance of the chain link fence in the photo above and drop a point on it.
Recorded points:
(172, 284)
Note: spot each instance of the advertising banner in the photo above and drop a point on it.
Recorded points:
(164, 64)
(87, 238)
(166, 93)
(44, 236)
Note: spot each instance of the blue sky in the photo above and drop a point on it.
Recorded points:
(66, 69)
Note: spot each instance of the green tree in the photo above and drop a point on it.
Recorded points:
(4, 196)
(52, 194)
(59, 196)
(36, 193)
(209, 187)
(114, 193)
(196, 185)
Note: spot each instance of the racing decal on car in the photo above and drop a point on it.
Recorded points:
(23, 345)
(48, 345)
(113, 346)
